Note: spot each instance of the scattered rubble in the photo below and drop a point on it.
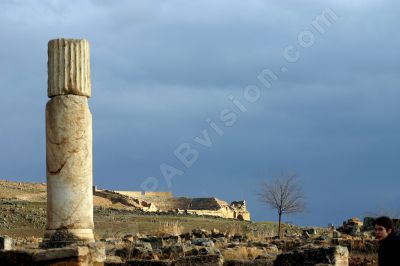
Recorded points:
(130, 242)
(310, 246)
(351, 227)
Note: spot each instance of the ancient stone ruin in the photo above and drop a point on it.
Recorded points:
(165, 202)
(352, 227)
(69, 145)
(69, 238)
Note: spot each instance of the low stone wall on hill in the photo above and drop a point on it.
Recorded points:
(164, 201)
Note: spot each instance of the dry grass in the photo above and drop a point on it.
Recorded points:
(169, 228)
(99, 201)
(261, 235)
(241, 253)
(361, 259)
(235, 228)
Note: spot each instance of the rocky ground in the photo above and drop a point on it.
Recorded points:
(132, 237)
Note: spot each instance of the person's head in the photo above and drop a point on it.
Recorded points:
(383, 227)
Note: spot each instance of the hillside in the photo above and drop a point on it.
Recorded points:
(23, 213)
(36, 192)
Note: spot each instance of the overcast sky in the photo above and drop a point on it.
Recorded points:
(250, 88)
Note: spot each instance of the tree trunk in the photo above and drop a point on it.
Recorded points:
(279, 224)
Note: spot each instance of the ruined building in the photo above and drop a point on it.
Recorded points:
(166, 202)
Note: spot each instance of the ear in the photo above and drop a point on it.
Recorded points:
(389, 231)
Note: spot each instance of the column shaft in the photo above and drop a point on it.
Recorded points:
(69, 145)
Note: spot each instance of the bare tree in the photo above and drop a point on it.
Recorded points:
(284, 194)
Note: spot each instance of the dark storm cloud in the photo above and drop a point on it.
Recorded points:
(160, 69)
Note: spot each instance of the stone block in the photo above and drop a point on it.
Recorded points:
(145, 245)
(16, 257)
(61, 254)
(173, 251)
(7, 243)
(334, 256)
(155, 242)
(336, 234)
(69, 171)
(68, 67)
(142, 253)
(113, 260)
(310, 231)
(97, 252)
(208, 260)
(203, 242)
(149, 263)
(172, 239)
(249, 263)
(70, 256)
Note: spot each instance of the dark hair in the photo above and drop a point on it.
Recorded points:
(385, 222)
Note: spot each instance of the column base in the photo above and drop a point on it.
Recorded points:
(65, 237)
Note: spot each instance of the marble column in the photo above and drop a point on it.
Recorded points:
(69, 145)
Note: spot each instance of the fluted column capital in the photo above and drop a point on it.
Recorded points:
(68, 67)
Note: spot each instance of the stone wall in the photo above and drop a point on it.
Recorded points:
(133, 194)
(161, 194)
(334, 256)
(165, 202)
(93, 254)
(144, 195)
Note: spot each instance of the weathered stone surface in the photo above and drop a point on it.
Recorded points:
(149, 262)
(248, 263)
(60, 253)
(352, 227)
(172, 239)
(201, 251)
(143, 253)
(174, 251)
(97, 252)
(7, 243)
(129, 238)
(69, 67)
(155, 242)
(68, 256)
(267, 246)
(69, 137)
(16, 257)
(310, 231)
(208, 260)
(143, 244)
(200, 233)
(69, 170)
(336, 234)
(68, 145)
(287, 245)
(113, 260)
(335, 256)
(203, 242)
(165, 202)
(239, 237)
